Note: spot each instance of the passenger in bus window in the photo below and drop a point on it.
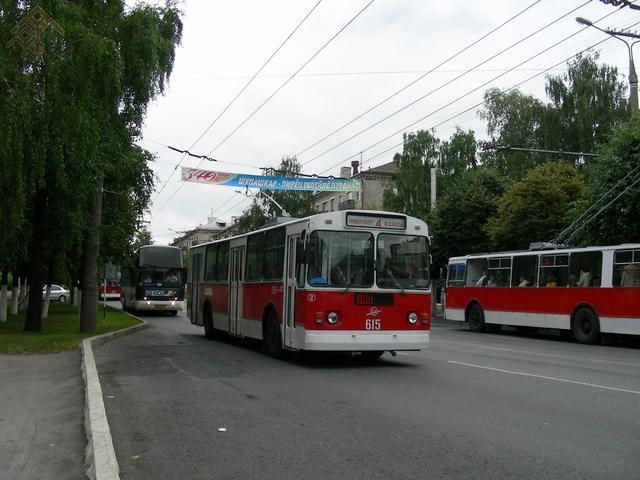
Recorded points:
(491, 282)
(630, 275)
(337, 276)
(524, 282)
(482, 281)
(572, 282)
(551, 281)
(585, 278)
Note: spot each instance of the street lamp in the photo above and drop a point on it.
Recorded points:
(633, 78)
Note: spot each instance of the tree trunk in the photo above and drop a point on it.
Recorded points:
(15, 293)
(3, 296)
(89, 280)
(33, 319)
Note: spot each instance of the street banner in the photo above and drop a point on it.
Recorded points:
(198, 175)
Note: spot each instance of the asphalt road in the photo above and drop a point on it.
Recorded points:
(472, 406)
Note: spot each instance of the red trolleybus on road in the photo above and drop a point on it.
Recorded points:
(109, 289)
(353, 281)
(587, 291)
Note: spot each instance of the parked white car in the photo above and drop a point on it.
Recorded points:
(58, 293)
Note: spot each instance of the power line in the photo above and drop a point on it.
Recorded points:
(416, 80)
(449, 82)
(277, 90)
(539, 150)
(589, 220)
(236, 97)
(475, 89)
(290, 78)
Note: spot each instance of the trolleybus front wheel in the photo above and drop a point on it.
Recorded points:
(271, 338)
(585, 326)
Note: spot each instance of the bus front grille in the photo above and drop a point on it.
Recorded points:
(377, 299)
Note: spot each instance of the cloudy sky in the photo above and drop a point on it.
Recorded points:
(333, 81)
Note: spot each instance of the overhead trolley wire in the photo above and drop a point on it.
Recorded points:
(290, 78)
(475, 89)
(560, 237)
(417, 79)
(468, 71)
(304, 19)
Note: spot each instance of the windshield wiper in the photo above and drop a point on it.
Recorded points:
(397, 283)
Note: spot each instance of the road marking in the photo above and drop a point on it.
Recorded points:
(540, 354)
(545, 377)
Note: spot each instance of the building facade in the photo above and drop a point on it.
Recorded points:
(374, 182)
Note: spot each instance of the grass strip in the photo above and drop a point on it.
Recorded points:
(60, 330)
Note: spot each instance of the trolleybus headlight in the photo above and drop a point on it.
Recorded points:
(332, 318)
(412, 318)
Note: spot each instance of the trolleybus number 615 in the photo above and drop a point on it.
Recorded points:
(372, 324)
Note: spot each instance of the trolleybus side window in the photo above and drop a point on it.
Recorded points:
(217, 262)
(585, 268)
(499, 271)
(456, 275)
(210, 262)
(221, 271)
(274, 254)
(476, 269)
(525, 271)
(255, 258)
(626, 269)
(554, 270)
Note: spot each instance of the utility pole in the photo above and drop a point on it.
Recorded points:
(633, 77)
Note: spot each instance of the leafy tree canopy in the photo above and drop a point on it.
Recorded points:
(613, 186)
(461, 214)
(537, 207)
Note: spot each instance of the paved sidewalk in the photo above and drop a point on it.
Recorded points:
(41, 417)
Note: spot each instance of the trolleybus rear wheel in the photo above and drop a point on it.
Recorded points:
(585, 326)
(475, 317)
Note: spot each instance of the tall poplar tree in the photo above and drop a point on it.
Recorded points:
(82, 103)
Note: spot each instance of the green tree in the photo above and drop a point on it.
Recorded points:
(513, 120)
(536, 208)
(458, 224)
(82, 105)
(297, 204)
(613, 191)
(411, 191)
(587, 102)
(457, 155)
(252, 218)
(129, 182)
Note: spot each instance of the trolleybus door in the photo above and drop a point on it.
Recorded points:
(194, 286)
(288, 321)
(235, 289)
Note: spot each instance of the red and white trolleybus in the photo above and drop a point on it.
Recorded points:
(351, 280)
(586, 291)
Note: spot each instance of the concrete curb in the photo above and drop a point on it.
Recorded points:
(100, 457)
